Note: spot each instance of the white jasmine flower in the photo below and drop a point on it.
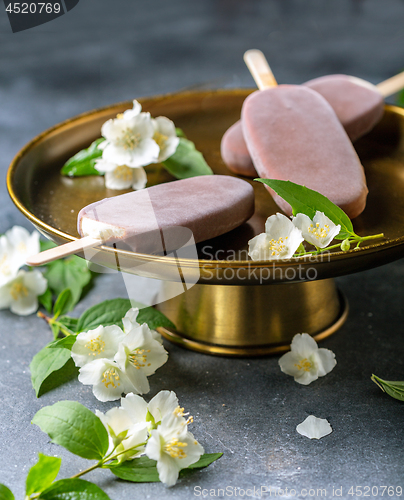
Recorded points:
(165, 403)
(305, 361)
(173, 447)
(122, 176)
(123, 435)
(109, 381)
(140, 355)
(320, 231)
(20, 294)
(280, 240)
(165, 136)
(130, 113)
(16, 245)
(23, 244)
(8, 268)
(102, 342)
(314, 428)
(130, 322)
(129, 140)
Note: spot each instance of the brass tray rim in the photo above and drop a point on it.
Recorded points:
(190, 263)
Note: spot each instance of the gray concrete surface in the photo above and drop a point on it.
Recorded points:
(105, 51)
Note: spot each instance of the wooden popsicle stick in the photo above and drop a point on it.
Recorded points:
(259, 69)
(63, 251)
(391, 85)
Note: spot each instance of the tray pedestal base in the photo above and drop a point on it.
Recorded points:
(257, 320)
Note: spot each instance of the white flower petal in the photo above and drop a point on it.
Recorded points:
(280, 240)
(165, 136)
(129, 321)
(304, 345)
(107, 379)
(130, 113)
(164, 403)
(318, 232)
(139, 179)
(306, 362)
(326, 361)
(141, 352)
(314, 428)
(21, 293)
(173, 447)
(102, 342)
(120, 178)
(135, 406)
(104, 166)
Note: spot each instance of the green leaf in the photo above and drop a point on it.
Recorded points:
(51, 368)
(111, 312)
(5, 493)
(75, 427)
(65, 343)
(152, 317)
(69, 323)
(83, 162)
(187, 161)
(70, 273)
(144, 470)
(46, 245)
(400, 98)
(63, 303)
(306, 201)
(139, 470)
(73, 489)
(180, 132)
(42, 474)
(205, 460)
(395, 389)
(46, 300)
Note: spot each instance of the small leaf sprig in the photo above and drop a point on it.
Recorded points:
(134, 140)
(315, 219)
(395, 389)
(123, 453)
(55, 364)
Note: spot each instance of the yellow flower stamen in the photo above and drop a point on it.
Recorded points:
(175, 448)
(179, 412)
(138, 358)
(304, 365)
(22, 247)
(4, 267)
(111, 377)
(18, 290)
(318, 231)
(160, 139)
(129, 140)
(278, 247)
(124, 173)
(96, 346)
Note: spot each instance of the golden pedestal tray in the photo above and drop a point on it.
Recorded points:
(238, 307)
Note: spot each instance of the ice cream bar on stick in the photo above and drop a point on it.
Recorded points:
(358, 104)
(161, 218)
(292, 133)
(233, 148)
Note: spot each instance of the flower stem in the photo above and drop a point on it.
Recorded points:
(372, 237)
(85, 471)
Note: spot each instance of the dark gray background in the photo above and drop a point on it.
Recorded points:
(104, 51)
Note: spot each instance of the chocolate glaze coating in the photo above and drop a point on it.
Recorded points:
(358, 106)
(161, 218)
(292, 133)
